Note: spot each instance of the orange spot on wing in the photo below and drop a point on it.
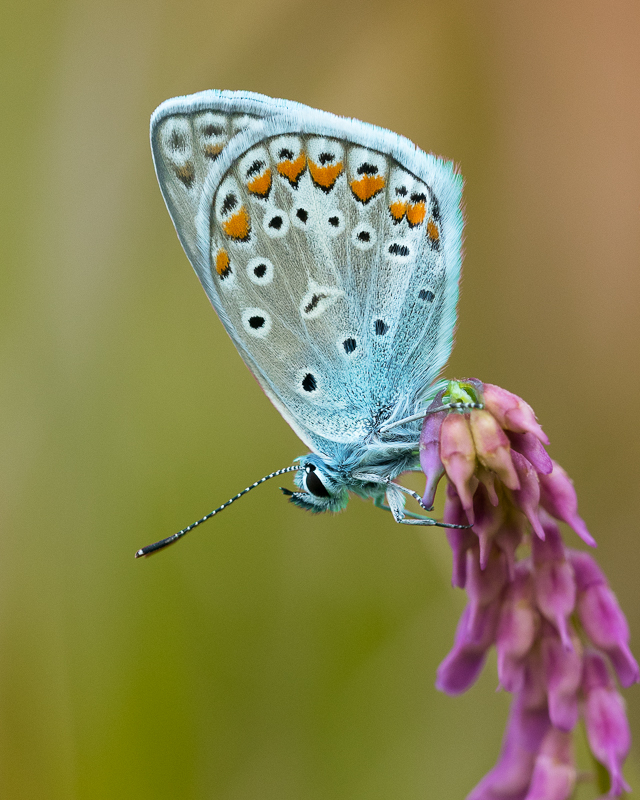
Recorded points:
(186, 174)
(367, 186)
(292, 170)
(213, 150)
(397, 210)
(238, 226)
(325, 177)
(432, 231)
(223, 267)
(261, 184)
(416, 214)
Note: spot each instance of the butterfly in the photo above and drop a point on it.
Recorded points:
(331, 251)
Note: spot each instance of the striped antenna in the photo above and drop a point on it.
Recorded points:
(153, 548)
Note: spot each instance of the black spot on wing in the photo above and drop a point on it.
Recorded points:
(229, 203)
(380, 327)
(349, 345)
(255, 168)
(309, 383)
(367, 169)
(213, 130)
(396, 249)
(313, 303)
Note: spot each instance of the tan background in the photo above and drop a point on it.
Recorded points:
(276, 656)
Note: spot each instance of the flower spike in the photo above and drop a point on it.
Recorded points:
(550, 613)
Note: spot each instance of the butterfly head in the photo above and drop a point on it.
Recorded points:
(322, 488)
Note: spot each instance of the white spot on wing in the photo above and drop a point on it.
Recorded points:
(176, 140)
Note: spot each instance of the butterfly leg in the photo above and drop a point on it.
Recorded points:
(379, 503)
(395, 498)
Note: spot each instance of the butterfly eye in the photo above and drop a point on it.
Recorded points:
(313, 483)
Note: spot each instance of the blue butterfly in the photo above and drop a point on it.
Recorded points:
(331, 251)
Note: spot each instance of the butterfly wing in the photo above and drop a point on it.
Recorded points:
(329, 248)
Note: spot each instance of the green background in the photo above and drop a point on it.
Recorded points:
(273, 655)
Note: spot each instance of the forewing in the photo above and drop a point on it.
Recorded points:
(329, 248)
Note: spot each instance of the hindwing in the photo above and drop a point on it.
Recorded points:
(329, 248)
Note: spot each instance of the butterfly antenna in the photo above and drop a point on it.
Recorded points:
(153, 548)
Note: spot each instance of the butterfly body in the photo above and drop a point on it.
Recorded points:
(330, 249)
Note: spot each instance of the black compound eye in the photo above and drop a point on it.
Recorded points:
(314, 484)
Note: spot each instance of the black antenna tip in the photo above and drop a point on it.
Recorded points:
(153, 548)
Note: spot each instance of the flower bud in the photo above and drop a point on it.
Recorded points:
(563, 673)
(533, 698)
(533, 450)
(461, 667)
(460, 539)
(586, 570)
(492, 447)
(509, 537)
(484, 583)
(554, 774)
(558, 497)
(603, 620)
(512, 412)
(606, 722)
(488, 520)
(458, 455)
(511, 776)
(527, 498)
(554, 581)
(430, 461)
(517, 629)
(488, 480)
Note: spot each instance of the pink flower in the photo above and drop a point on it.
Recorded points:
(602, 618)
(606, 721)
(502, 482)
(554, 772)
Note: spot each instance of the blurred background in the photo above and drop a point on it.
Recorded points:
(272, 654)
